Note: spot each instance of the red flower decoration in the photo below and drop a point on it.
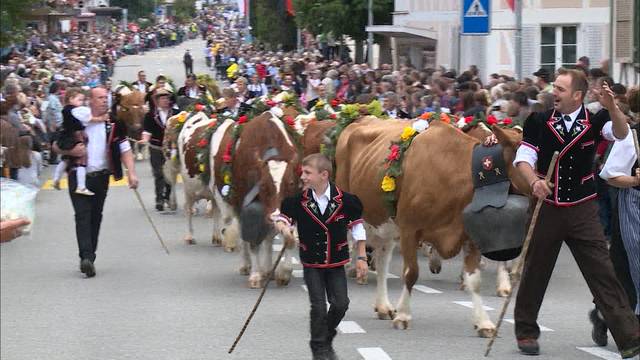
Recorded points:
(335, 102)
(199, 107)
(492, 120)
(468, 119)
(270, 103)
(290, 121)
(213, 116)
(333, 116)
(212, 124)
(202, 143)
(507, 121)
(227, 153)
(243, 119)
(395, 153)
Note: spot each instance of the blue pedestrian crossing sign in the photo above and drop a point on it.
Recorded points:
(476, 15)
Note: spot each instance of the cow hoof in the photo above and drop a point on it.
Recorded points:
(282, 281)
(244, 270)
(188, 240)
(401, 321)
(173, 206)
(139, 157)
(503, 292)
(486, 331)
(216, 241)
(385, 312)
(255, 281)
(435, 267)
(229, 249)
(363, 280)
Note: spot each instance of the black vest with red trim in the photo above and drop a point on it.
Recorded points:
(323, 237)
(574, 176)
(153, 125)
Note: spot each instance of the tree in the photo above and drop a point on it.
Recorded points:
(272, 25)
(136, 8)
(341, 17)
(12, 15)
(184, 9)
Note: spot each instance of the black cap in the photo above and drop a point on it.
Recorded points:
(543, 74)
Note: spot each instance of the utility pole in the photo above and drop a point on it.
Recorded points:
(370, 34)
(518, 49)
(612, 38)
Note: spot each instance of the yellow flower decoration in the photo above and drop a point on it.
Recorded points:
(407, 133)
(182, 117)
(319, 104)
(226, 178)
(388, 183)
(201, 168)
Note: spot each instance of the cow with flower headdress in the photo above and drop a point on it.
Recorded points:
(248, 162)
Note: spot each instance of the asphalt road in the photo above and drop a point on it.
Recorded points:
(145, 304)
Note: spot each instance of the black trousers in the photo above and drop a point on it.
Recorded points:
(580, 228)
(326, 285)
(88, 212)
(188, 69)
(163, 189)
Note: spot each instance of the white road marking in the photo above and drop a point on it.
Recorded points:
(542, 328)
(375, 353)
(305, 288)
(426, 289)
(277, 247)
(297, 273)
(294, 260)
(350, 327)
(600, 352)
(469, 304)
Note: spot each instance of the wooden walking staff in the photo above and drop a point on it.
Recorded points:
(151, 221)
(515, 278)
(255, 307)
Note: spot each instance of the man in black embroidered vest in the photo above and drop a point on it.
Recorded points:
(323, 213)
(569, 213)
(106, 149)
(154, 124)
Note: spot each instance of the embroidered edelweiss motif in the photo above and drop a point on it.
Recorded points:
(332, 206)
(313, 206)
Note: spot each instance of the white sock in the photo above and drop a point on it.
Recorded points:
(57, 173)
(81, 173)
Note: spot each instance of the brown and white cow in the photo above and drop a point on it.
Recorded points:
(185, 142)
(428, 209)
(130, 108)
(264, 171)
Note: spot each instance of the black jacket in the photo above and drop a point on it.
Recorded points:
(323, 237)
(153, 125)
(574, 176)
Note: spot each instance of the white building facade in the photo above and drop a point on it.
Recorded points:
(555, 33)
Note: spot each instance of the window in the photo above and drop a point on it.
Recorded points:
(558, 47)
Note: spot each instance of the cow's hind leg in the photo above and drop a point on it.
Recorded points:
(503, 282)
(382, 256)
(472, 280)
(409, 246)
(216, 236)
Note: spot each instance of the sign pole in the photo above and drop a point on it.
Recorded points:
(518, 49)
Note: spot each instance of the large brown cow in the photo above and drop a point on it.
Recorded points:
(435, 187)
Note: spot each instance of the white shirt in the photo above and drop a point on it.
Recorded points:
(141, 87)
(530, 156)
(357, 231)
(193, 92)
(163, 116)
(621, 159)
(97, 143)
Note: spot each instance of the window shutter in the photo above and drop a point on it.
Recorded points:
(624, 31)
